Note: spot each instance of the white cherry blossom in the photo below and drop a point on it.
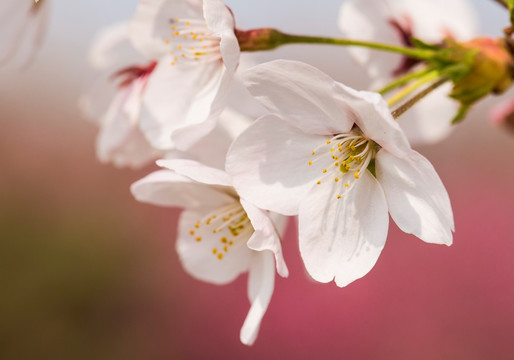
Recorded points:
(197, 52)
(22, 28)
(220, 235)
(337, 158)
(396, 22)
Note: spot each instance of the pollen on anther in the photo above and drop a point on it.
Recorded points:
(319, 182)
(310, 163)
(336, 179)
(223, 240)
(180, 47)
(167, 41)
(197, 226)
(328, 142)
(172, 63)
(188, 23)
(214, 251)
(313, 153)
(356, 175)
(220, 256)
(324, 171)
(231, 243)
(192, 232)
(338, 196)
(225, 248)
(199, 238)
(346, 184)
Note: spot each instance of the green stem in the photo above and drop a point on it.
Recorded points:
(403, 80)
(423, 54)
(403, 93)
(407, 105)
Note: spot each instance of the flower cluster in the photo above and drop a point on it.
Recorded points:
(241, 148)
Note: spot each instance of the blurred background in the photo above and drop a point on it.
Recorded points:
(88, 273)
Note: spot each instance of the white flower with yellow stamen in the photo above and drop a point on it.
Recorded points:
(197, 53)
(220, 235)
(337, 158)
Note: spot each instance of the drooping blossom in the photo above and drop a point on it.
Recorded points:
(114, 105)
(398, 22)
(337, 158)
(197, 53)
(22, 28)
(220, 235)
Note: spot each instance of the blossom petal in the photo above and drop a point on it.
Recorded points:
(221, 21)
(260, 288)
(197, 257)
(269, 164)
(197, 171)
(342, 238)
(301, 93)
(430, 120)
(165, 188)
(265, 236)
(170, 96)
(120, 141)
(150, 25)
(373, 116)
(417, 199)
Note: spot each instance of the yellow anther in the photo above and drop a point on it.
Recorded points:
(328, 142)
(177, 20)
(332, 149)
(172, 63)
(180, 47)
(319, 182)
(173, 27)
(192, 232)
(336, 164)
(338, 196)
(175, 58)
(214, 251)
(344, 163)
(188, 23)
(356, 175)
(195, 36)
(191, 48)
(186, 37)
(197, 226)
(220, 256)
(310, 163)
(224, 240)
(225, 248)
(351, 157)
(347, 185)
(313, 153)
(199, 238)
(167, 41)
(336, 179)
(200, 39)
(231, 243)
(324, 171)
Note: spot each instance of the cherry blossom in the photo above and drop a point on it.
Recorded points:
(399, 22)
(337, 158)
(220, 235)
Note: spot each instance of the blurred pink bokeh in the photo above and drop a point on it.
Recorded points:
(89, 273)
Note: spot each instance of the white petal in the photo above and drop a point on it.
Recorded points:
(197, 171)
(112, 49)
(170, 96)
(204, 111)
(373, 116)
(342, 238)
(301, 93)
(417, 199)
(265, 236)
(220, 20)
(150, 25)
(269, 164)
(165, 188)
(430, 120)
(197, 257)
(260, 288)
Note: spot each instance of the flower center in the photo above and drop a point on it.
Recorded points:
(345, 156)
(191, 40)
(131, 73)
(226, 228)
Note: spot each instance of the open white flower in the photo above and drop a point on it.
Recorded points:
(220, 235)
(396, 22)
(336, 157)
(22, 28)
(197, 53)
